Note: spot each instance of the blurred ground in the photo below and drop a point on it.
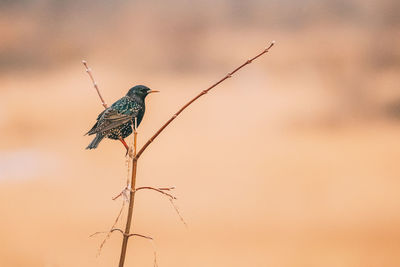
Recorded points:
(293, 162)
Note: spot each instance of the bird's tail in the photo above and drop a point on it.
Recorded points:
(95, 141)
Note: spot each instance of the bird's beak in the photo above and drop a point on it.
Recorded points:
(152, 91)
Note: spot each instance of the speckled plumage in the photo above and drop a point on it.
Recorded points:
(116, 121)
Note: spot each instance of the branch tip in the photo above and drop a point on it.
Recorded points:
(159, 190)
(269, 47)
(132, 189)
(143, 236)
(203, 92)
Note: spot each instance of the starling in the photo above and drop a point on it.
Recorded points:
(116, 122)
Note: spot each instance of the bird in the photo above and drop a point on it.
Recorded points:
(116, 121)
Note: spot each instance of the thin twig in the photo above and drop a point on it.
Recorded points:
(120, 194)
(122, 232)
(96, 233)
(117, 229)
(131, 235)
(89, 71)
(139, 235)
(123, 192)
(171, 198)
(146, 237)
(160, 190)
(154, 252)
(152, 244)
(177, 211)
(229, 75)
(136, 156)
(109, 232)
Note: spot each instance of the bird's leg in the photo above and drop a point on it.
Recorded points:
(125, 145)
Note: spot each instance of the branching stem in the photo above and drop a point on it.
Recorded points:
(135, 157)
(145, 146)
(229, 75)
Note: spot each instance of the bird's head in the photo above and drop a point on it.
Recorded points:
(140, 91)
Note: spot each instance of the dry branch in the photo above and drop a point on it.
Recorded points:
(229, 75)
(109, 232)
(145, 146)
(135, 157)
(171, 198)
(159, 190)
(89, 71)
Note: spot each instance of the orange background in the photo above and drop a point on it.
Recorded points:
(292, 162)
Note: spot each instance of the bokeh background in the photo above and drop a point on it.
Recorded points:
(293, 162)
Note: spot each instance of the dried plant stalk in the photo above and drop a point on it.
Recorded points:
(89, 72)
(229, 75)
(135, 157)
(146, 145)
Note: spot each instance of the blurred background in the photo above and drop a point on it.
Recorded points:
(293, 162)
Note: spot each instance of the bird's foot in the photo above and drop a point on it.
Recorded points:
(128, 149)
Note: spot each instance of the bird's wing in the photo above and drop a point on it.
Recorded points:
(111, 119)
(121, 112)
(93, 129)
(101, 114)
